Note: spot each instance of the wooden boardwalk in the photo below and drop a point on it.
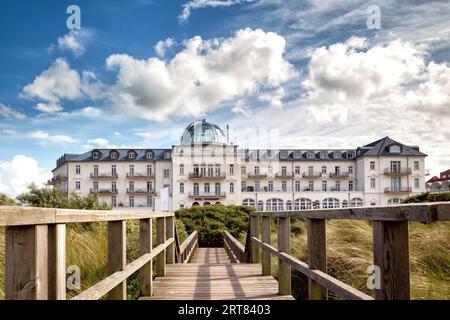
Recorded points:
(211, 276)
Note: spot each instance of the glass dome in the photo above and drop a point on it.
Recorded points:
(201, 131)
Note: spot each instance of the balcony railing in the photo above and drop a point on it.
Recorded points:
(207, 194)
(339, 175)
(139, 191)
(312, 174)
(140, 175)
(103, 191)
(58, 178)
(397, 189)
(256, 175)
(284, 175)
(199, 175)
(104, 175)
(397, 171)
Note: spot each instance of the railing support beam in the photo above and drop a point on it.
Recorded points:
(170, 233)
(284, 245)
(254, 248)
(57, 262)
(391, 255)
(146, 272)
(117, 258)
(317, 257)
(160, 239)
(265, 237)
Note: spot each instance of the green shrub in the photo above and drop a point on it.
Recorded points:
(429, 197)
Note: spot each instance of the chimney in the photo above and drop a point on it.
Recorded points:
(228, 134)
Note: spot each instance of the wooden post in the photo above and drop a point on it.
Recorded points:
(284, 245)
(57, 262)
(117, 259)
(26, 256)
(170, 233)
(254, 248)
(317, 256)
(160, 239)
(265, 237)
(146, 272)
(391, 255)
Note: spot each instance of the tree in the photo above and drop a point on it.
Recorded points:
(5, 201)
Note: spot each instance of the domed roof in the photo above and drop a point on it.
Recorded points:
(201, 131)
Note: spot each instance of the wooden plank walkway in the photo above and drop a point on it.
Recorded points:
(211, 276)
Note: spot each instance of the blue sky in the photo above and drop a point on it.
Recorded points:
(309, 72)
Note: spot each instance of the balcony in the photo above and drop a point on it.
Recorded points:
(312, 175)
(398, 190)
(104, 175)
(140, 191)
(140, 175)
(339, 175)
(397, 171)
(256, 175)
(57, 179)
(284, 175)
(214, 176)
(207, 195)
(104, 191)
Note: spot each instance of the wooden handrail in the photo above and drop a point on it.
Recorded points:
(390, 247)
(188, 247)
(235, 249)
(35, 251)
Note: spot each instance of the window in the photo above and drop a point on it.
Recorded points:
(181, 169)
(77, 185)
(149, 155)
(274, 204)
(231, 187)
(96, 171)
(248, 202)
(150, 201)
(337, 155)
(298, 155)
(181, 187)
(113, 186)
(131, 155)
(196, 189)
(131, 170)
(289, 205)
(416, 165)
(324, 155)
(269, 153)
(242, 170)
(310, 185)
(297, 169)
(284, 155)
(302, 204)
(283, 186)
(113, 155)
(131, 201)
(77, 169)
(96, 155)
(337, 170)
(149, 186)
(395, 149)
(218, 189)
(231, 169)
(270, 185)
(372, 183)
(310, 155)
(356, 202)
(324, 186)
(113, 201)
(350, 155)
(350, 185)
(283, 171)
(166, 173)
(330, 203)
(350, 169)
(131, 186)
(260, 205)
(207, 188)
(344, 204)
(297, 186)
(114, 170)
(416, 183)
(149, 170)
(270, 170)
(167, 155)
(372, 165)
(257, 186)
(324, 169)
(394, 201)
(337, 186)
(243, 186)
(256, 171)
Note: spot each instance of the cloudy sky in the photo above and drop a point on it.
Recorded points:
(300, 73)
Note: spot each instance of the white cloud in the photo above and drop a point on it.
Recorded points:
(48, 138)
(99, 142)
(200, 77)
(9, 113)
(75, 41)
(274, 98)
(197, 4)
(241, 107)
(162, 46)
(17, 174)
(61, 82)
(48, 107)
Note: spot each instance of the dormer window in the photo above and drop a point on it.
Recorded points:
(338, 155)
(394, 149)
(269, 153)
(167, 155)
(131, 155)
(149, 155)
(297, 155)
(283, 155)
(310, 155)
(114, 155)
(324, 155)
(350, 155)
(95, 155)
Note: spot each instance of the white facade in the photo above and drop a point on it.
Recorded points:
(206, 169)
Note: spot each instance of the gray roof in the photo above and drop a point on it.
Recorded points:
(298, 155)
(381, 148)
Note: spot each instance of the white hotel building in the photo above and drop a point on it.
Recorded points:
(206, 169)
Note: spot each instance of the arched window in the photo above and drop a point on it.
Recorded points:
(260, 205)
(181, 187)
(302, 204)
(395, 149)
(231, 187)
(316, 204)
(207, 204)
(289, 205)
(249, 202)
(330, 203)
(394, 201)
(195, 204)
(356, 202)
(344, 204)
(274, 204)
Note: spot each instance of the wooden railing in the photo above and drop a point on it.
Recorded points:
(188, 247)
(235, 250)
(35, 251)
(390, 247)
